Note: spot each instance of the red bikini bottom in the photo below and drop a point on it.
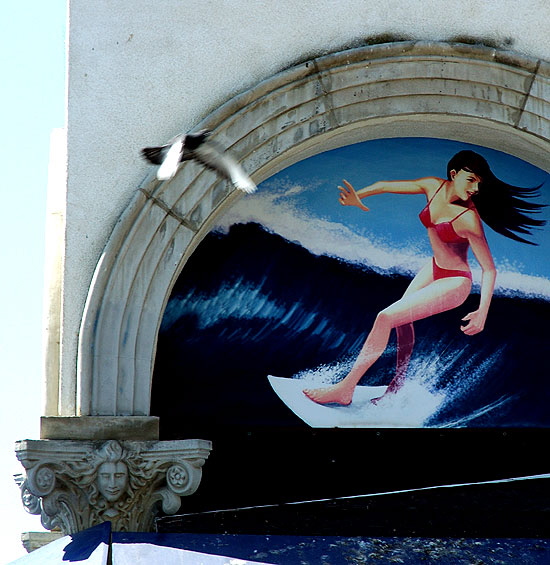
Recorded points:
(440, 273)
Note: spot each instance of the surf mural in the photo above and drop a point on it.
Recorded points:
(280, 297)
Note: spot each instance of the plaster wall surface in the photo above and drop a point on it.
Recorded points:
(141, 72)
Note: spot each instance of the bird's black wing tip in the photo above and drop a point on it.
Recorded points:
(152, 154)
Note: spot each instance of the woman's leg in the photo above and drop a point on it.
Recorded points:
(405, 336)
(420, 301)
(405, 333)
(405, 345)
(423, 278)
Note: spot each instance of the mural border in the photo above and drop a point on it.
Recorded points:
(467, 93)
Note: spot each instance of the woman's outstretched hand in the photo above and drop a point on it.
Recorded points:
(475, 323)
(348, 196)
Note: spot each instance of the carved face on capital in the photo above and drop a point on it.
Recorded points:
(112, 479)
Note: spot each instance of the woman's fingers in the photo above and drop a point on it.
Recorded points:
(348, 196)
(347, 188)
(473, 326)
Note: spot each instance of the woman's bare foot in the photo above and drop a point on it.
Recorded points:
(330, 395)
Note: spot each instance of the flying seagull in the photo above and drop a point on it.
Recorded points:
(195, 146)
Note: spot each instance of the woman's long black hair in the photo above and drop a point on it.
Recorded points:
(500, 205)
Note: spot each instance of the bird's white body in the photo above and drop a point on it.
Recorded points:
(171, 162)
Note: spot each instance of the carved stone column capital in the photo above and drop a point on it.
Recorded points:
(74, 485)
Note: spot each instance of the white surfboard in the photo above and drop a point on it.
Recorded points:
(407, 409)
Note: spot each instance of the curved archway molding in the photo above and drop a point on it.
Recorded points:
(410, 89)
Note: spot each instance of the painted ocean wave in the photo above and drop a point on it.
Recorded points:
(251, 303)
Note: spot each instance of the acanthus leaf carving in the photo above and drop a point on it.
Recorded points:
(75, 485)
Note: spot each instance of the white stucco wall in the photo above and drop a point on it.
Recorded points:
(141, 72)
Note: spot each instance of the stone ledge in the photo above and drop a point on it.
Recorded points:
(138, 428)
(35, 540)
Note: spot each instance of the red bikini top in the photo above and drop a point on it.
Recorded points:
(444, 230)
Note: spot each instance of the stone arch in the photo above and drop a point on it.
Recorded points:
(467, 93)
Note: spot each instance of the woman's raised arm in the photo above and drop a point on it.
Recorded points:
(351, 197)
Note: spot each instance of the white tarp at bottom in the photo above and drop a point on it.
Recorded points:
(145, 553)
(91, 547)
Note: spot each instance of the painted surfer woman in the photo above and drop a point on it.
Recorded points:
(453, 218)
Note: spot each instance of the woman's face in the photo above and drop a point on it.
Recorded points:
(466, 183)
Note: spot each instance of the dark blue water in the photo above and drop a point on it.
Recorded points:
(250, 304)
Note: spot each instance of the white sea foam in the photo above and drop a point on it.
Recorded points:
(410, 407)
(417, 404)
(277, 213)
